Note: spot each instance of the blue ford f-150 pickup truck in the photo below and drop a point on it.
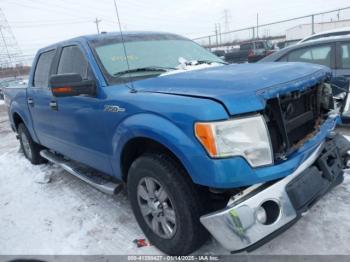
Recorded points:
(237, 151)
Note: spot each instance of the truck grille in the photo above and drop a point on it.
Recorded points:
(292, 118)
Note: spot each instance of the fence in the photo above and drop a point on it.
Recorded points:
(283, 30)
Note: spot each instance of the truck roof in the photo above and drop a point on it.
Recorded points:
(112, 35)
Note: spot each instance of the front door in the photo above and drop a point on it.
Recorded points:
(79, 126)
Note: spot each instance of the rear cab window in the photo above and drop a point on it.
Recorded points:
(42, 69)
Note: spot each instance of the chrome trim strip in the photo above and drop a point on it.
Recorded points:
(236, 226)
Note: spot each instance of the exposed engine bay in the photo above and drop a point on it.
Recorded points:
(295, 117)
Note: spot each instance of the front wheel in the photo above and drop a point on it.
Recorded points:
(166, 204)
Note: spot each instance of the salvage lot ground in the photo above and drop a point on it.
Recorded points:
(44, 210)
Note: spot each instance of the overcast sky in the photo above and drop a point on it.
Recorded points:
(36, 23)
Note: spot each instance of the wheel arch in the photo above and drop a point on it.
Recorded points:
(18, 116)
(137, 146)
(17, 119)
(150, 132)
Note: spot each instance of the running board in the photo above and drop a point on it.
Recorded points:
(87, 174)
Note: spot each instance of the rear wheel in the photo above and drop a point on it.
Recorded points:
(31, 150)
(166, 204)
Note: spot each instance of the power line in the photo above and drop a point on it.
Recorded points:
(277, 22)
(96, 11)
(10, 53)
(52, 24)
(39, 22)
(45, 8)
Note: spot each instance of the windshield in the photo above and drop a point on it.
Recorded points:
(147, 53)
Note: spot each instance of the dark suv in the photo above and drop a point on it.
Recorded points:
(250, 52)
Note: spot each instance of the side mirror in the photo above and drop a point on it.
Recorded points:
(71, 85)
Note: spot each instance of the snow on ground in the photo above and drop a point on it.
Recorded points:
(2, 102)
(44, 210)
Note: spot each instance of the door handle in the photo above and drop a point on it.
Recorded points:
(53, 105)
(30, 101)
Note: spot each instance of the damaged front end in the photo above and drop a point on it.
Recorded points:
(295, 117)
(264, 210)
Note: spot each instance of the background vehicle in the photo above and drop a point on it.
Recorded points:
(237, 151)
(251, 51)
(329, 33)
(11, 83)
(3, 84)
(219, 53)
(333, 52)
(284, 44)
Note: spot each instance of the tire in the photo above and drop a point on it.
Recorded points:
(30, 149)
(343, 146)
(184, 198)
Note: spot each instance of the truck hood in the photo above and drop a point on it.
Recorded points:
(241, 88)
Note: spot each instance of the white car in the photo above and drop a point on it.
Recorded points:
(329, 33)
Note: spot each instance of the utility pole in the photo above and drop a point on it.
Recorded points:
(209, 38)
(97, 21)
(257, 25)
(216, 35)
(220, 40)
(227, 17)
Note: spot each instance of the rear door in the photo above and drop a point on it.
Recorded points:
(39, 97)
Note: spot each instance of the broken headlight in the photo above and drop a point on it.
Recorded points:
(247, 137)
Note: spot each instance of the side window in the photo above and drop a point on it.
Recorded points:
(259, 45)
(345, 55)
(42, 70)
(247, 46)
(317, 54)
(73, 61)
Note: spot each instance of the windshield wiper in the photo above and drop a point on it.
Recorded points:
(144, 69)
(210, 62)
